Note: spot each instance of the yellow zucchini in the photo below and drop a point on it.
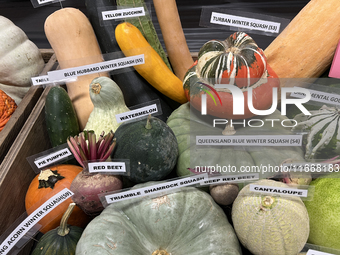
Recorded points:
(154, 70)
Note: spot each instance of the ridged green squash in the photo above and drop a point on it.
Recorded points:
(149, 145)
(186, 124)
(61, 240)
(187, 222)
(268, 225)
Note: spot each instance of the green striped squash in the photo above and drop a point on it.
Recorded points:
(322, 140)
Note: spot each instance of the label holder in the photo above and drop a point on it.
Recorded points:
(50, 157)
(248, 22)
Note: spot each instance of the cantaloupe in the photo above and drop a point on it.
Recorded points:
(267, 224)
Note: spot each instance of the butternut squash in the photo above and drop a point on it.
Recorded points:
(154, 70)
(305, 48)
(73, 40)
(173, 36)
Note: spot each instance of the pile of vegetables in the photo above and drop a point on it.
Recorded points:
(225, 218)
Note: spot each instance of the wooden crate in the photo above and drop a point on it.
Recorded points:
(15, 171)
(26, 136)
(17, 120)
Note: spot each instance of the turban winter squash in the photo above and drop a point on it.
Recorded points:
(36, 196)
(7, 108)
(236, 61)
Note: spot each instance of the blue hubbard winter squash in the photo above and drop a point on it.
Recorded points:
(237, 61)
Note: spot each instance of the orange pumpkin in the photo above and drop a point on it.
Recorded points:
(50, 184)
(7, 108)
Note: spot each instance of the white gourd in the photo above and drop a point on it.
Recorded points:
(20, 60)
(266, 224)
(108, 100)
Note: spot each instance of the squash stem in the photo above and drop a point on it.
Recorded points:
(160, 252)
(148, 124)
(63, 229)
(48, 178)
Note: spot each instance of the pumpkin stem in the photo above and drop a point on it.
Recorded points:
(228, 130)
(96, 87)
(48, 178)
(148, 124)
(160, 252)
(63, 229)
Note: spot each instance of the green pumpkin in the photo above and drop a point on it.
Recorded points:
(187, 123)
(61, 240)
(187, 222)
(149, 145)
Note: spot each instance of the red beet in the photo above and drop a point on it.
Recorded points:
(87, 186)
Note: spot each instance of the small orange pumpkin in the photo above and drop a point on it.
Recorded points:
(7, 108)
(47, 184)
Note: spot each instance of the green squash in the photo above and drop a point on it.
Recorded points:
(61, 240)
(324, 212)
(149, 145)
(186, 124)
(268, 225)
(187, 222)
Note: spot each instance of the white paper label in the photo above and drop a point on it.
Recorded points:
(230, 178)
(104, 66)
(53, 157)
(123, 13)
(244, 22)
(278, 190)
(134, 114)
(250, 140)
(40, 80)
(319, 96)
(314, 252)
(44, 1)
(111, 167)
(155, 189)
(33, 219)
